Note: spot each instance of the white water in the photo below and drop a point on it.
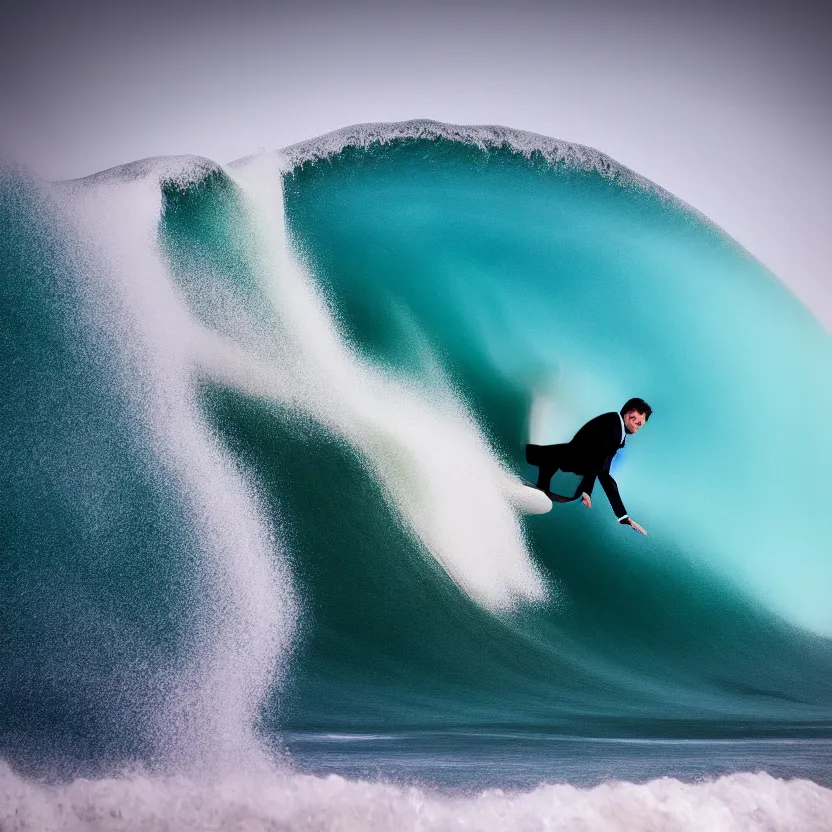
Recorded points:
(423, 446)
(430, 457)
(245, 610)
(735, 803)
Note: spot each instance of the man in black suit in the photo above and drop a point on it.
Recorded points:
(590, 453)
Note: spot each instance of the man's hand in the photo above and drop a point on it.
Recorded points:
(586, 500)
(636, 526)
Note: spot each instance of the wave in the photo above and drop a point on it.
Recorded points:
(262, 423)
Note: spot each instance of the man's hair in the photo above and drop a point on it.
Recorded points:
(637, 404)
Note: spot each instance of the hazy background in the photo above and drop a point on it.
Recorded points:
(726, 105)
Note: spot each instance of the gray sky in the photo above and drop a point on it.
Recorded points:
(729, 106)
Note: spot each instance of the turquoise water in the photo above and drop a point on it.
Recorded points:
(260, 428)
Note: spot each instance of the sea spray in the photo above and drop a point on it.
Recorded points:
(244, 610)
(428, 453)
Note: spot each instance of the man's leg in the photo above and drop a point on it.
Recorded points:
(548, 459)
(585, 488)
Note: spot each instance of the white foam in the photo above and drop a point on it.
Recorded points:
(423, 446)
(425, 449)
(181, 171)
(735, 803)
(245, 609)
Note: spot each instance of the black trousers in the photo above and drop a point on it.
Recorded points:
(566, 457)
(552, 458)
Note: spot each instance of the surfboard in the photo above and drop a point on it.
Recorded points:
(555, 498)
(525, 497)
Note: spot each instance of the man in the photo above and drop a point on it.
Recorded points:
(590, 453)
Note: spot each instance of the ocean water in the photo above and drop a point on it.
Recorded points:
(264, 564)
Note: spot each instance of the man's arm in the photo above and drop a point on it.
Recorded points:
(610, 487)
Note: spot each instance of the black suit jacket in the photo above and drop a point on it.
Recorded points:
(590, 453)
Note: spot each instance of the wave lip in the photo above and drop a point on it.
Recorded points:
(484, 136)
(182, 171)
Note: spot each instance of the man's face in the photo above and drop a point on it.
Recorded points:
(633, 420)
